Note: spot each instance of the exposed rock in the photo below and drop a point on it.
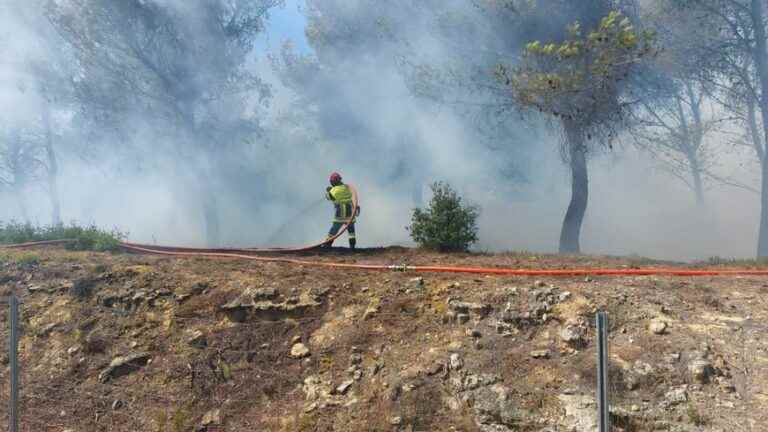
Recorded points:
(462, 318)
(344, 387)
(299, 350)
(535, 311)
(573, 333)
(642, 368)
(701, 370)
(580, 412)
(417, 282)
(505, 329)
(212, 417)
(455, 362)
(139, 297)
(460, 307)
(313, 388)
(564, 296)
(263, 293)
(658, 327)
(121, 366)
(675, 396)
(540, 354)
(494, 407)
(465, 382)
(45, 331)
(394, 421)
(250, 305)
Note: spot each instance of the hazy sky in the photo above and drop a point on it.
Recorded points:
(286, 23)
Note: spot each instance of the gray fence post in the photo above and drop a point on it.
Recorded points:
(13, 359)
(603, 403)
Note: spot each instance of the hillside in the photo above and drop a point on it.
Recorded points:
(141, 343)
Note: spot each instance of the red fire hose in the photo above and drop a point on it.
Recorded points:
(355, 203)
(476, 270)
(248, 254)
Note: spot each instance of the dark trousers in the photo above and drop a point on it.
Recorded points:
(350, 231)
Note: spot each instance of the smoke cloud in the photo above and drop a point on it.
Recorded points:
(350, 106)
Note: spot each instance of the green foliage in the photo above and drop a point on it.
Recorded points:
(578, 78)
(88, 237)
(721, 261)
(447, 225)
(28, 260)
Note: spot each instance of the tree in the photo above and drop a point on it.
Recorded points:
(20, 166)
(43, 77)
(583, 80)
(730, 53)
(181, 68)
(675, 132)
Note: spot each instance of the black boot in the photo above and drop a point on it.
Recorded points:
(352, 243)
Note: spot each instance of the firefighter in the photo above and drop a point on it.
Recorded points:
(341, 196)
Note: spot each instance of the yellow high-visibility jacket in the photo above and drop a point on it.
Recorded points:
(341, 196)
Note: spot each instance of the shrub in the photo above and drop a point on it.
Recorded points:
(88, 237)
(447, 225)
(28, 260)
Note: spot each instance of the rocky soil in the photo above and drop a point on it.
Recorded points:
(137, 343)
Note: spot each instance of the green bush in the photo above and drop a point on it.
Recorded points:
(88, 237)
(447, 224)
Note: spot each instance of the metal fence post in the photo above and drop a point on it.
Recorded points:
(13, 354)
(603, 403)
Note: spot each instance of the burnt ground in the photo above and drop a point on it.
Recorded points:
(118, 342)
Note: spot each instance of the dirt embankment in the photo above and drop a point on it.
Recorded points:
(136, 343)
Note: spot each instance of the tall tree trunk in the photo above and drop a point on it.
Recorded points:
(53, 168)
(754, 133)
(696, 176)
(206, 177)
(760, 54)
(17, 170)
(694, 139)
(574, 216)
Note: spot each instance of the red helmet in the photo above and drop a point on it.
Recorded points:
(335, 178)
